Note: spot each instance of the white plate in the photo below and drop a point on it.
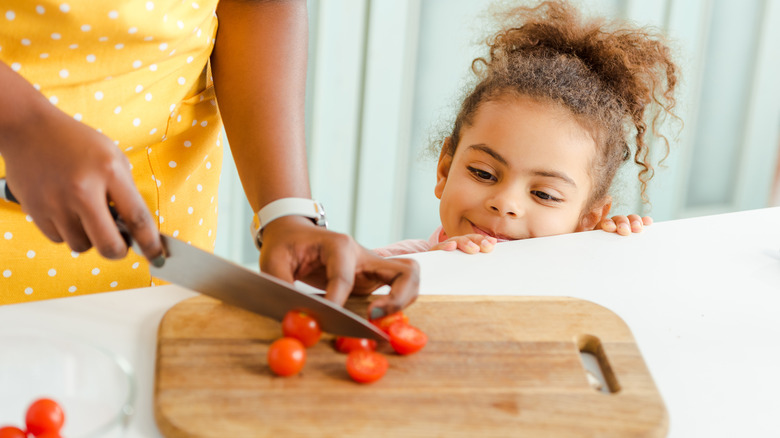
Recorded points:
(95, 387)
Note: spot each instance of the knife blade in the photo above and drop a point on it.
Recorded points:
(201, 271)
(204, 272)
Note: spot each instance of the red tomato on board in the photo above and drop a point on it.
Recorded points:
(366, 366)
(12, 432)
(286, 356)
(385, 322)
(346, 344)
(406, 338)
(299, 325)
(49, 435)
(44, 415)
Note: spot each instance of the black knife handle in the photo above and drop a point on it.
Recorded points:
(8, 195)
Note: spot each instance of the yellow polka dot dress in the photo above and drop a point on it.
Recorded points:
(138, 72)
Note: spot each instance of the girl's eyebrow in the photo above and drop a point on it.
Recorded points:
(486, 149)
(545, 173)
(555, 174)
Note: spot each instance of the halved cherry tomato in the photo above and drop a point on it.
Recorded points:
(406, 338)
(44, 415)
(286, 356)
(366, 366)
(346, 344)
(299, 325)
(12, 432)
(385, 322)
(49, 435)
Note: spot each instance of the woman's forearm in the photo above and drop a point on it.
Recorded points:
(259, 68)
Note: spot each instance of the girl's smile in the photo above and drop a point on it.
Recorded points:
(520, 170)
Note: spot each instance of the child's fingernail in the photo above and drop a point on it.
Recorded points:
(624, 228)
(377, 312)
(473, 246)
(636, 225)
(609, 226)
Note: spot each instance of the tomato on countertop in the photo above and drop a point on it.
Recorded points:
(12, 432)
(299, 325)
(366, 366)
(44, 416)
(286, 356)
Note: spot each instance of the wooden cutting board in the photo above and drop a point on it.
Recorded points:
(493, 366)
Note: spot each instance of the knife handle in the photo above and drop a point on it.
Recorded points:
(8, 195)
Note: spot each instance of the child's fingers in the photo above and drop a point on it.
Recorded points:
(647, 220)
(447, 245)
(636, 223)
(467, 245)
(487, 245)
(622, 225)
(608, 225)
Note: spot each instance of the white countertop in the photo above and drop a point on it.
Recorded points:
(701, 296)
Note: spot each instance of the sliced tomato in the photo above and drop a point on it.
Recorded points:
(286, 356)
(406, 338)
(49, 435)
(385, 322)
(12, 432)
(44, 415)
(346, 344)
(366, 366)
(301, 326)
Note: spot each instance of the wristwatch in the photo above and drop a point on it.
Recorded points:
(286, 207)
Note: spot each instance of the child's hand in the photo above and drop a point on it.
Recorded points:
(625, 225)
(469, 243)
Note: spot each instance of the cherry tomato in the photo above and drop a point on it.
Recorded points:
(301, 326)
(406, 338)
(44, 415)
(286, 356)
(49, 435)
(346, 344)
(12, 432)
(366, 366)
(385, 322)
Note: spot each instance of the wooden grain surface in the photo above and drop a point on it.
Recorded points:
(494, 366)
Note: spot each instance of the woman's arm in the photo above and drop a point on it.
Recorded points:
(259, 66)
(62, 172)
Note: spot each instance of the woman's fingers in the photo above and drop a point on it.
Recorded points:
(403, 276)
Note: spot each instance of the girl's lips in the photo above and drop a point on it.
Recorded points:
(498, 237)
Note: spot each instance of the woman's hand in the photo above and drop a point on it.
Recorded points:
(469, 243)
(625, 225)
(64, 173)
(295, 249)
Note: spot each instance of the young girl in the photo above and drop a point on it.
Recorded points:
(559, 105)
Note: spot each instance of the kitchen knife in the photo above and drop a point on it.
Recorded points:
(209, 274)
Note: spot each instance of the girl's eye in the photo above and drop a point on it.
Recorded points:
(481, 174)
(545, 196)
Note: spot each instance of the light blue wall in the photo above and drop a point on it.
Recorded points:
(385, 77)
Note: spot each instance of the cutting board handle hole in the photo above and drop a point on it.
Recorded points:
(595, 365)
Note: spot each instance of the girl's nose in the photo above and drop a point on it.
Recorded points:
(505, 205)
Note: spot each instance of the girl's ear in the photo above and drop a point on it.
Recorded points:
(443, 168)
(591, 219)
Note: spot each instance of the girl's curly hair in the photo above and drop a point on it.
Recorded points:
(608, 75)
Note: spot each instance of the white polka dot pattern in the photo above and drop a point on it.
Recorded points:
(135, 72)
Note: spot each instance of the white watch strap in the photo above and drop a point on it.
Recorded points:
(287, 207)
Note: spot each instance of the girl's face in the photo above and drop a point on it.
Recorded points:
(520, 171)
